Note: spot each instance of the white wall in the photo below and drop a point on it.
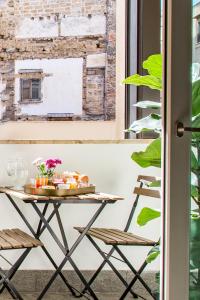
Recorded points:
(61, 92)
(70, 26)
(35, 28)
(111, 169)
(76, 26)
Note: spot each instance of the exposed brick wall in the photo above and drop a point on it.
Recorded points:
(98, 99)
(69, 7)
(95, 92)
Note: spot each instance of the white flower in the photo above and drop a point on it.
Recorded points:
(37, 161)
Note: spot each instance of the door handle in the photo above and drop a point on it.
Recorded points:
(180, 129)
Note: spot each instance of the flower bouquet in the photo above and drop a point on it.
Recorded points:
(46, 170)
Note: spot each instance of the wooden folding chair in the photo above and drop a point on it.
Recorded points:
(116, 238)
(13, 239)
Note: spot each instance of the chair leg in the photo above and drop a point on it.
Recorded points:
(9, 285)
(16, 266)
(106, 260)
(136, 277)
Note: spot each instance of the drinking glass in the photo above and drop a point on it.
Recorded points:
(16, 169)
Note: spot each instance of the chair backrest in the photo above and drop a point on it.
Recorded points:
(142, 191)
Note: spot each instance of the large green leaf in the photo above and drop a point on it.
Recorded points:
(196, 123)
(194, 293)
(150, 123)
(148, 104)
(196, 98)
(194, 162)
(146, 215)
(194, 191)
(153, 254)
(151, 157)
(154, 65)
(148, 80)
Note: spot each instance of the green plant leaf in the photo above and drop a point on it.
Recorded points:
(148, 104)
(194, 191)
(151, 157)
(154, 65)
(196, 98)
(194, 162)
(156, 183)
(150, 123)
(146, 215)
(153, 254)
(196, 123)
(194, 293)
(148, 80)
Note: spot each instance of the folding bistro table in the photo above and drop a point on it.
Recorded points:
(54, 203)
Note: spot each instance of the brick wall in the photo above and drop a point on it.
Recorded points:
(98, 96)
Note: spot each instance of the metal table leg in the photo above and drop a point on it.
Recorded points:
(37, 236)
(70, 252)
(64, 248)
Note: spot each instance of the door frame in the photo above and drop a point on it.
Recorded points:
(176, 155)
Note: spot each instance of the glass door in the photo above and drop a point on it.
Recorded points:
(181, 155)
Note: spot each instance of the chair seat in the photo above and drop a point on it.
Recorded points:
(117, 237)
(17, 239)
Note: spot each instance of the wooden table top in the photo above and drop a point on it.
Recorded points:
(86, 198)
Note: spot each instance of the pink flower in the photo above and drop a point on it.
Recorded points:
(58, 161)
(52, 163)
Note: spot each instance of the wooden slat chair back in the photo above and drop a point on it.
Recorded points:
(142, 191)
(14, 239)
(115, 237)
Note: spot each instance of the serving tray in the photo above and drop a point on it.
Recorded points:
(30, 189)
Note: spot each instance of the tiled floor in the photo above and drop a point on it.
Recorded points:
(64, 296)
(107, 287)
(59, 296)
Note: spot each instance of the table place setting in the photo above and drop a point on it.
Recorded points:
(47, 181)
(46, 193)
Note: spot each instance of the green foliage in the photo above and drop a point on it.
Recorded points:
(194, 162)
(150, 123)
(196, 123)
(146, 215)
(194, 191)
(153, 254)
(156, 183)
(194, 293)
(151, 157)
(154, 79)
(147, 80)
(154, 65)
(148, 104)
(196, 98)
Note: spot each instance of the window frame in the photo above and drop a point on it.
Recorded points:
(147, 44)
(91, 131)
(30, 99)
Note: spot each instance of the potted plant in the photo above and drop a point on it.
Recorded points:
(151, 157)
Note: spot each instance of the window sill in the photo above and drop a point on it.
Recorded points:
(78, 142)
(30, 101)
